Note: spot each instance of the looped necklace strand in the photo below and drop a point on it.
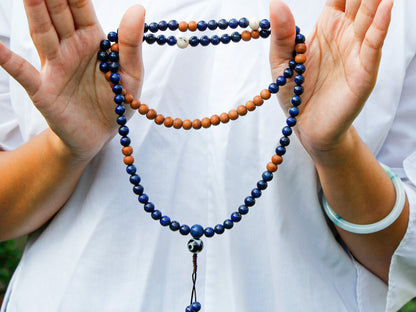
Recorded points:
(109, 58)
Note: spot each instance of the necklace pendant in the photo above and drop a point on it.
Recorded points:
(195, 245)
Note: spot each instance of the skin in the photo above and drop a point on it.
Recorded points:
(70, 92)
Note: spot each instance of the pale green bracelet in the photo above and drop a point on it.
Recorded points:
(374, 227)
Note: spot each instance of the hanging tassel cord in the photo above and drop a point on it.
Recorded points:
(194, 277)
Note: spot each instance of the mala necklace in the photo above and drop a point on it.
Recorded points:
(109, 58)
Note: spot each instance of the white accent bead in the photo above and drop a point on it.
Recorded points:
(254, 23)
(182, 42)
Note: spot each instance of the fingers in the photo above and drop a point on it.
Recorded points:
(283, 34)
(337, 4)
(20, 69)
(351, 8)
(365, 17)
(83, 13)
(61, 17)
(130, 42)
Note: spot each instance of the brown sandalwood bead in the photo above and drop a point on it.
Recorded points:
(159, 119)
(242, 110)
(196, 124)
(300, 48)
(124, 92)
(258, 100)
(206, 122)
(128, 98)
(233, 114)
(192, 26)
(300, 58)
(143, 109)
(255, 34)
(276, 159)
(215, 120)
(168, 122)
(271, 167)
(115, 47)
(135, 104)
(187, 124)
(265, 94)
(251, 105)
(127, 150)
(183, 26)
(246, 35)
(177, 123)
(224, 118)
(108, 75)
(151, 114)
(129, 160)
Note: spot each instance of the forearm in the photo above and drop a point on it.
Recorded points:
(37, 180)
(359, 190)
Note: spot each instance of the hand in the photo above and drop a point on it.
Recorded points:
(69, 90)
(343, 56)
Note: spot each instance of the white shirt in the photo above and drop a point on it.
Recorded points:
(102, 252)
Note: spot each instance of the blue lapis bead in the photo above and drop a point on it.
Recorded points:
(162, 25)
(138, 189)
(300, 38)
(114, 67)
(284, 141)
(117, 89)
(105, 45)
(205, 41)
(165, 221)
(222, 24)
(288, 73)
(174, 226)
(299, 79)
(291, 121)
(197, 231)
(105, 67)
(135, 179)
(262, 185)
(112, 36)
(249, 201)
(193, 41)
(161, 40)
(122, 120)
(184, 230)
(281, 81)
(131, 169)
(171, 40)
(114, 56)
(153, 27)
(188, 309)
(298, 90)
(195, 306)
(256, 193)
(144, 199)
(146, 27)
(267, 176)
(115, 78)
(148, 207)
(212, 24)
(264, 24)
(300, 69)
(287, 131)
(228, 224)
(215, 40)
(102, 56)
(225, 38)
(297, 30)
(280, 150)
(293, 111)
(292, 64)
(120, 110)
(118, 99)
(173, 25)
(296, 100)
(150, 38)
(233, 23)
(243, 22)
(156, 215)
(209, 232)
(273, 87)
(202, 25)
(123, 131)
(243, 210)
(236, 36)
(264, 33)
(219, 229)
(125, 141)
(236, 217)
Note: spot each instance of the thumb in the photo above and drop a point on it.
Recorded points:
(283, 33)
(130, 38)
